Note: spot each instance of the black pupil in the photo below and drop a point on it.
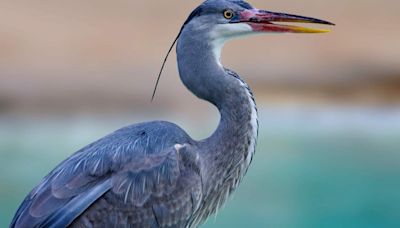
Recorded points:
(228, 14)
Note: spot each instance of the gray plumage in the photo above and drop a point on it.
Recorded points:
(153, 174)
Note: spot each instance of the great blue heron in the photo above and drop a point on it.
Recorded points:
(153, 174)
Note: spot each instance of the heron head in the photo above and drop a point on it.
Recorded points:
(226, 19)
(216, 21)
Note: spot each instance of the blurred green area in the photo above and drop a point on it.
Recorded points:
(313, 167)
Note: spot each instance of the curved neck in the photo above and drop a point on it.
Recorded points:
(202, 73)
(199, 68)
(229, 150)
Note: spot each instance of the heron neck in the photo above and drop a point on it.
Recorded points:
(202, 73)
(199, 70)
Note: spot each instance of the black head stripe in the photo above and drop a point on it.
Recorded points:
(195, 13)
(204, 8)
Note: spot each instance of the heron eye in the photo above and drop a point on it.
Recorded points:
(228, 14)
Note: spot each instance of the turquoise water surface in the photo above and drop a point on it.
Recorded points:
(336, 167)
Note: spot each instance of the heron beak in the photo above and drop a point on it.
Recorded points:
(263, 21)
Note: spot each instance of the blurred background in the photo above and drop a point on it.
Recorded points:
(329, 144)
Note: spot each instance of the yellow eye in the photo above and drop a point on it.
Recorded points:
(228, 14)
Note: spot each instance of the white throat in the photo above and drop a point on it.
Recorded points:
(224, 32)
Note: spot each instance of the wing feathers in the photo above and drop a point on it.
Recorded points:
(155, 175)
(130, 168)
(66, 215)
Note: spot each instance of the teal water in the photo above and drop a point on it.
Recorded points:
(313, 167)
